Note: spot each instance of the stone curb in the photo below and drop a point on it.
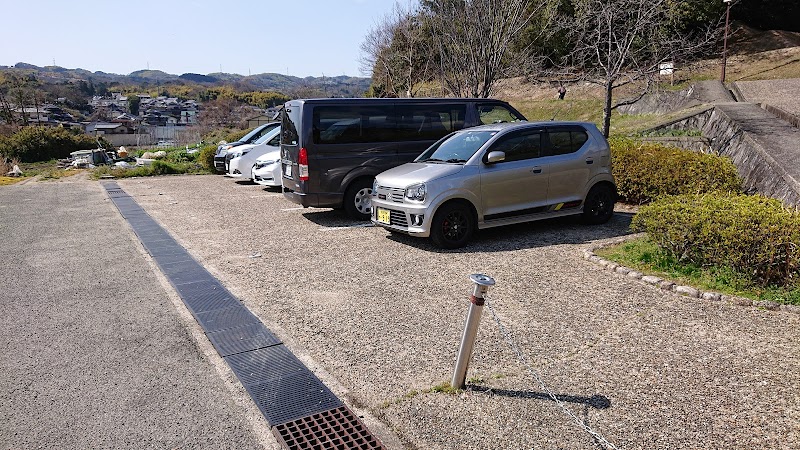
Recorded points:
(667, 285)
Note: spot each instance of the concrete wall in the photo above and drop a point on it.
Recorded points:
(767, 168)
(764, 148)
(128, 140)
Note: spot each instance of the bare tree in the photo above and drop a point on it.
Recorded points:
(376, 57)
(624, 42)
(475, 40)
(394, 51)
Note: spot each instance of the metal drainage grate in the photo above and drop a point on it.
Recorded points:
(243, 339)
(291, 397)
(335, 429)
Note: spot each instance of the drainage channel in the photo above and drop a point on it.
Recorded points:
(302, 412)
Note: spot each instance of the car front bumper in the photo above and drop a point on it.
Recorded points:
(411, 219)
(269, 175)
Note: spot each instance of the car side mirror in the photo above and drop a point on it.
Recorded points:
(495, 157)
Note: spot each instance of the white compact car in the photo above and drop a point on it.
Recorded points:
(243, 158)
(267, 169)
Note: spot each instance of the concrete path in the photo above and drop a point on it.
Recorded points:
(785, 94)
(95, 352)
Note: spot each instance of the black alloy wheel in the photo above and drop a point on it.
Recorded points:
(452, 226)
(599, 205)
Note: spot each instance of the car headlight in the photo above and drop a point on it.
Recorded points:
(374, 187)
(262, 164)
(416, 192)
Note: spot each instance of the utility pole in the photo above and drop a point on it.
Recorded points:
(725, 39)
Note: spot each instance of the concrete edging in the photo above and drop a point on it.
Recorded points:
(667, 285)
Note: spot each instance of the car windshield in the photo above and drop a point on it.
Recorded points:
(456, 148)
(271, 134)
(250, 135)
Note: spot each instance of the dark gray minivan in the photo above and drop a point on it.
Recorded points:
(332, 148)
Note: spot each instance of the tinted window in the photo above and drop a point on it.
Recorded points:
(492, 113)
(428, 122)
(520, 145)
(354, 124)
(563, 141)
(289, 118)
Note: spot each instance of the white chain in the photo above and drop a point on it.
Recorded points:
(510, 341)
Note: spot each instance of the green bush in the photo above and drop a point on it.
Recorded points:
(206, 157)
(31, 144)
(751, 234)
(646, 171)
(180, 156)
(165, 168)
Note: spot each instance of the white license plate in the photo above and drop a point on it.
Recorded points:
(384, 216)
(287, 170)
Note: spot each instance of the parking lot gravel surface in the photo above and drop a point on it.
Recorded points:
(95, 353)
(382, 315)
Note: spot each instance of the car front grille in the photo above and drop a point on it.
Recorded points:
(395, 195)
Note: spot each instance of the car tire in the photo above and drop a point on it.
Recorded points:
(358, 199)
(452, 226)
(599, 205)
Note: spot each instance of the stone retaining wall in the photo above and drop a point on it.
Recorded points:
(763, 148)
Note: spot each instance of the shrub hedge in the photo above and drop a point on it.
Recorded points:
(752, 234)
(646, 171)
(206, 157)
(158, 167)
(32, 144)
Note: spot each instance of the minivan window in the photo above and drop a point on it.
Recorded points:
(519, 146)
(456, 148)
(563, 142)
(493, 113)
(355, 124)
(428, 122)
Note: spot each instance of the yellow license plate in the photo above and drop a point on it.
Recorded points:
(384, 216)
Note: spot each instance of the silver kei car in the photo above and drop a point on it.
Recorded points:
(495, 175)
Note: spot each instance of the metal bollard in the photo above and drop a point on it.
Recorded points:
(482, 283)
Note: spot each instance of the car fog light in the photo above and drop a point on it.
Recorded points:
(416, 219)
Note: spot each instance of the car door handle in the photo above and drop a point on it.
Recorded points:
(589, 161)
(537, 170)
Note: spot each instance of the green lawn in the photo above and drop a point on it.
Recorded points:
(644, 256)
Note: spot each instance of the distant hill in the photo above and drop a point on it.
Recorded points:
(328, 86)
(155, 76)
(197, 78)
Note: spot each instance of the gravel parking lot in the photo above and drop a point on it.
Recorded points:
(380, 316)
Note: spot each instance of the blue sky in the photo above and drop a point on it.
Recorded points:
(298, 37)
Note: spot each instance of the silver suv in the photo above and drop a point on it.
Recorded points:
(495, 175)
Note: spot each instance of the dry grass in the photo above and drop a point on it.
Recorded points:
(5, 181)
(755, 55)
